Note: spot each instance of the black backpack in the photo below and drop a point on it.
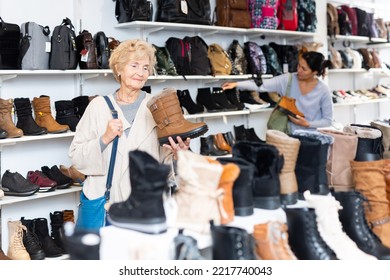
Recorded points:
(200, 63)
(164, 65)
(102, 50)
(307, 19)
(63, 46)
(9, 45)
(180, 52)
(86, 50)
(132, 10)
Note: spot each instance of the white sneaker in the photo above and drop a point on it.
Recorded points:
(252, 107)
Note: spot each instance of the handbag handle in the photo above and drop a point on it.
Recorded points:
(289, 85)
(113, 153)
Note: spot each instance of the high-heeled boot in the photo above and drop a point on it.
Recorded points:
(187, 102)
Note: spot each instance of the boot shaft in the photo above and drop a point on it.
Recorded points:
(16, 248)
(80, 104)
(23, 107)
(6, 122)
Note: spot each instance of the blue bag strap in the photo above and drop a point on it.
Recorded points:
(113, 153)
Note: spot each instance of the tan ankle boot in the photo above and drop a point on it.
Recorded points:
(289, 148)
(221, 143)
(43, 116)
(16, 249)
(369, 180)
(6, 123)
(167, 113)
(287, 106)
(272, 241)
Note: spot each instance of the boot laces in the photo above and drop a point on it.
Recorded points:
(18, 240)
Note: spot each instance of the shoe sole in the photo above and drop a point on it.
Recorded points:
(190, 134)
(11, 193)
(155, 228)
(287, 112)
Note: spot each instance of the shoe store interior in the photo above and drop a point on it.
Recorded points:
(195, 130)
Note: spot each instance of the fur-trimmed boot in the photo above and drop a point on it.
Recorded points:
(198, 197)
(311, 163)
(144, 210)
(167, 113)
(269, 163)
(342, 152)
(288, 148)
(369, 180)
(6, 122)
(44, 117)
(330, 228)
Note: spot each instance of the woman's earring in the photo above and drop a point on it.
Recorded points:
(119, 74)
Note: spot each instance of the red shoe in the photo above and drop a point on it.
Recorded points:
(39, 178)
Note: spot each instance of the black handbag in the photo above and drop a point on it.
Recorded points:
(133, 10)
(184, 11)
(9, 45)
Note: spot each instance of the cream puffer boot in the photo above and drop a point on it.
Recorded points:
(338, 167)
(271, 241)
(44, 117)
(16, 249)
(198, 197)
(326, 208)
(385, 128)
(166, 110)
(289, 148)
(6, 123)
(370, 180)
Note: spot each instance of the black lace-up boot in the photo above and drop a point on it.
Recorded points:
(26, 121)
(40, 228)
(304, 239)
(57, 231)
(31, 241)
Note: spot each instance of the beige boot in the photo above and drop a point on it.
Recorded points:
(272, 241)
(43, 116)
(167, 113)
(369, 180)
(387, 179)
(16, 249)
(6, 123)
(289, 148)
(198, 197)
(385, 128)
(338, 167)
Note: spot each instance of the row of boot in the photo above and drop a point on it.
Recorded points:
(31, 239)
(68, 113)
(216, 99)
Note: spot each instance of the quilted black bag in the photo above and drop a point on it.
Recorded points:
(133, 10)
(184, 11)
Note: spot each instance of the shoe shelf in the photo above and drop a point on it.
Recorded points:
(13, 141)
(361, 102)
(7, 200)
(148, 27)
(225, 113)
(378, 71)
(360, 39)
(206, 77)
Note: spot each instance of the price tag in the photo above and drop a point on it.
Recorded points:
(84, 55)
(285, 68)
(48, 47)
(184, 7)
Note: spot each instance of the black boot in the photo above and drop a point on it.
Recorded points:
(31, 241)
(205, 98)
(242, 188)
(354, 223)
(240, 133)
(234, 98)
(303, 235)
(143, 211)
(187, 102)
(208, 147)
(269, 163)
(220, 98)
(369, 142)
(231, 243)
(65, 113)
(26, 121)
(229, 138)
(40, 228)
(80, 104)
(307, 165)
(57, 231)
(251, 135)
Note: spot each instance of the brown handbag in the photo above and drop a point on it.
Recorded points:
(233, 13)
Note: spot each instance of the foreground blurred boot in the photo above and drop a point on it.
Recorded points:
(369, 180)
(186, 247)
(82, 245)
(242, 188)
(44, 117)
(198, 197)
(231, 243)
(268, 163)
(166, 111)
(303, 236)
(355, 225)
(271, 241)
(6, 122)
(289, 148)
(143, 211)
(16, 249)
(331, 230)
(26, 121)
(385, 128)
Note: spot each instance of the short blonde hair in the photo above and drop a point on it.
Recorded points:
(128, 50)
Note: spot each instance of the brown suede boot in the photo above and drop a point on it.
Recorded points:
(230, 173)
(43, 116)
(167, 113)
(387, 179)
(221, 143)
(6, 122)
(369, 180)
(272, 241)
(77, 177)
(68, 216)
(287, 106)
(289, 148)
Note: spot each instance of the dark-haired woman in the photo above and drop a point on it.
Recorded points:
(312, 95)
